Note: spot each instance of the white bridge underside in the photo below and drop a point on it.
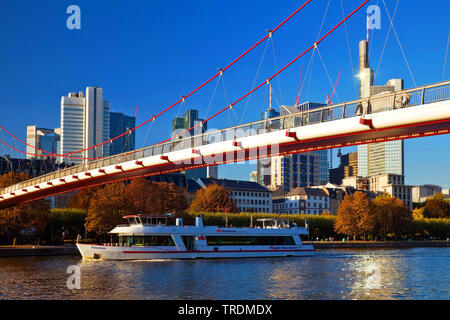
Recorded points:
(411, 122)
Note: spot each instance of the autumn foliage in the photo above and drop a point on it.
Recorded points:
(33, 215)
(390, 216)
(108, 204)
(437, 207)
(353, 216)
(106, 208)
(213, 198)
(82, 199)
(359, 217)
(143, 196)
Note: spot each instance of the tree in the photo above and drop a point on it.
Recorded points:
(154, 198)
(12, 177)
(417, 213)
(213, 198)
(107, 208)
(167, 198)
(68, 220)
(437, 207)
(391, 216)
(82, 198)
(353, 216)
(33, 215)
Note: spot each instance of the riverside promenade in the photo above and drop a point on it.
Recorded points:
(35, 250)
(377, 244)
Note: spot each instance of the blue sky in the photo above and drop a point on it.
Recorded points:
(148, 53)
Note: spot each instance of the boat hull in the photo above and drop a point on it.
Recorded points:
(90, 251)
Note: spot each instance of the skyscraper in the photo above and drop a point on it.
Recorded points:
(384, 157)
(118, 124)
(188, 120)
(84, 123)
(263, 165)
(347, 168)
(44, 139)
(295, 170)
(303, 170)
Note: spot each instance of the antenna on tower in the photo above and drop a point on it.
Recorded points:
(367, 27)
(297, 100)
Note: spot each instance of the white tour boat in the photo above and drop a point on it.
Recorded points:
(149, 237)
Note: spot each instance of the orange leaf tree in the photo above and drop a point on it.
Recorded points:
(437, 207)
(107, 208)
(82, 198)
(33, 215)
(390, 216)
(12, 177)
(213, 198)
(142, 196)
(353, 216)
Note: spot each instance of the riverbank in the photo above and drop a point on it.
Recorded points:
(377, 244)
(31, 251)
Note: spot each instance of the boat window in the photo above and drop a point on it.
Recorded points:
(160, 241)
(249, 241)
(188, 242)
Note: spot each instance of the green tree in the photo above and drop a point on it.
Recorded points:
(69, 220)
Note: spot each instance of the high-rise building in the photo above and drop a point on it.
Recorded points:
(188, 120)
(347, 168)
(84, 123)
(263, 165)
(295, 170)
(303, 170)
(44, 139)
(384, 157)
(118, 124)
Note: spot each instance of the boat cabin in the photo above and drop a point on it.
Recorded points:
(143, 219)
(273, 223)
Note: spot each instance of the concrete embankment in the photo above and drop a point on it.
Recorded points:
(28, 251)
(376, 244)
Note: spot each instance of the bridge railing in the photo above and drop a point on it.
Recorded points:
(378, 103)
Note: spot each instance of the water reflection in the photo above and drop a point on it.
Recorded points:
(331, 274)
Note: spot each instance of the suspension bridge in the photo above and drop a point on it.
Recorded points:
(417, 112)
(382, 118)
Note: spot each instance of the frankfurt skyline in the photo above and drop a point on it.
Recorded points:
(159, 52)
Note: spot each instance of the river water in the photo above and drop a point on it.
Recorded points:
(418, 273)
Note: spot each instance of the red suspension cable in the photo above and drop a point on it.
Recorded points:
(273, 76)
(67, 155)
